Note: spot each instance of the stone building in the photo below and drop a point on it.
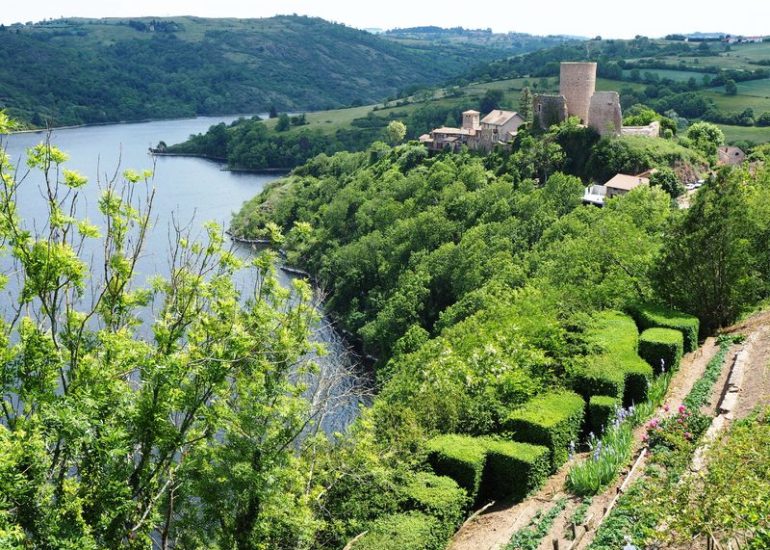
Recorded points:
(731, 156)
(604, 114)
(497, 128)
(577, 83)
(578, 97)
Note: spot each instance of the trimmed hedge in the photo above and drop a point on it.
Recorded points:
(638, 374)
(514, 469)
(662, 344)
(409, 531)
(601, 411)
(460, 457)
(648, 316)
(552, 419)
(437, 496)
(616, 370)
(599, 376)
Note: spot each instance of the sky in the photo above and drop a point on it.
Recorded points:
(608, 18)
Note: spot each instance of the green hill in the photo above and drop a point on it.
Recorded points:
(71, 71)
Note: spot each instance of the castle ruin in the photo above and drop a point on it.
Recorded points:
(578, 97)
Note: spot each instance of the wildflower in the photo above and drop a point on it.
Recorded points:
(666, 408)
(687, 436)
(653, 423)
(662, 366)
(682, 409)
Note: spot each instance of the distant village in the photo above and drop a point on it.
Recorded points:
(577, 97)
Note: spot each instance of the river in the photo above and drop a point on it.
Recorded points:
(192, 191)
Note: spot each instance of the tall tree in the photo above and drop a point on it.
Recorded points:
(525, 104)
(713, 260)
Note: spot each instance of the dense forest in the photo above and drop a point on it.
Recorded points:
(111, 70)
(499, 309)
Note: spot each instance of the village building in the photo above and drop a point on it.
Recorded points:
(619, 184)
(730, 156)
(498, 128)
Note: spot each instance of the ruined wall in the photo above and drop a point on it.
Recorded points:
(651, 130)
(577, 83)
(549, 110)
(604, 114)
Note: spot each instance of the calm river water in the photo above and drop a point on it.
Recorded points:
(193, 191)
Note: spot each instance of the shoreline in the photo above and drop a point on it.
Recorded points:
(140, 121)
(223, 161)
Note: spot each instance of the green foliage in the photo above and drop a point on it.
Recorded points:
(410, 531)
(634, 154)
(461, 458)
(662, 348)
(650, 316)
(615, 369)
(439, 497)
(730, 503)
(513, 470)
(678, 433)
(529, 537)
(551, 419)
(608, 455)
(197, 66)
(706, 137)
(601, 411)
(714, 265)
(701, 390)
(128, 421)
(395, 131)
(667, 180)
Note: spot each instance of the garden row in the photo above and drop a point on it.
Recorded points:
(535, 439)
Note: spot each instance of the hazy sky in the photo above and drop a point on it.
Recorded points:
(615, 18)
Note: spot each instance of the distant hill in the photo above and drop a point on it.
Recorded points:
(71, 71)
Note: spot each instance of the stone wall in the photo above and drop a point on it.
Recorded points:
(651, 130)
(604, 114)
(577, 83)
(549, 110)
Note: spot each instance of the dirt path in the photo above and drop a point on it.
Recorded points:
(493, 529)
(755, 390)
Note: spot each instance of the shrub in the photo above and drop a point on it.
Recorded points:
(514, 469)
(551, 419)
(601, 411)
(409, 531)
(438, 496)
(460, 457)
(637, 377)
(616, 369)
(599, 376)
(648, 316)
(659, 346)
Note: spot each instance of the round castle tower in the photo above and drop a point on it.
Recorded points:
(577, 83)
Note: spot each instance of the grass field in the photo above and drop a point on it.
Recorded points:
(745, 133)
(676, 76)
(737, 103)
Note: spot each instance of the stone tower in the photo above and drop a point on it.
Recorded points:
(577, 83)
(605, 115)
(471, 120)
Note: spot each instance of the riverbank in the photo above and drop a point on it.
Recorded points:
(141, 121)
(266, 171)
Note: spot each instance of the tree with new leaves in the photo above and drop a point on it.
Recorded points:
(144, 415)
(706, 137)
(395, 132)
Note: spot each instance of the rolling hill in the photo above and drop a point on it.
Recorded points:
(72, 71)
